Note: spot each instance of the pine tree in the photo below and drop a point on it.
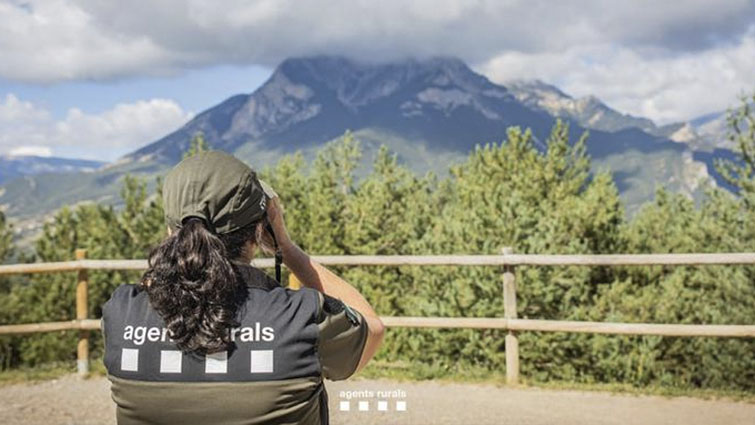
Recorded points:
(6, 239)
(330, 184)
(389, 213)
(141, 217)
(741, 133)
(197, 144)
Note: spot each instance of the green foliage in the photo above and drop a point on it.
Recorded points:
(104, 233)
(511, 195)
(503, 194)
(694, 295)
(6, 283)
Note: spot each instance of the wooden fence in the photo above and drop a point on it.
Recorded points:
(509, 322)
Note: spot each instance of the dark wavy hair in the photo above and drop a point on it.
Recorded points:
(194, 285)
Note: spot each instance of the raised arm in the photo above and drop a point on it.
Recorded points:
(314, 275)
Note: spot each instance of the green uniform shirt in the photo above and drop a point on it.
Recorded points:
(286, 343)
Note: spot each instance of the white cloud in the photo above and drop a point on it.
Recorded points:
(21, 124)
(665, 87)
(31, 150)
(54, 40)
(607, 47)
(26, 128)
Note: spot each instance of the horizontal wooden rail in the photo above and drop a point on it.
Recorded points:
(735, 331)
(536, 260)
(427, 260)
(630, 259)
(612, 328)
(62, 266)
(27, 328)
(732, 331)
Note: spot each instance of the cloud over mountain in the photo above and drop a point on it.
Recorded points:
(666, 88)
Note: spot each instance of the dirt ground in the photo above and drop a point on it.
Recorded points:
(70, 400)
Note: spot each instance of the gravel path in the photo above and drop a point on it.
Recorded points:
(70, 400)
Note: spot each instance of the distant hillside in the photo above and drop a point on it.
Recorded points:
(13, 166)
(431, 112)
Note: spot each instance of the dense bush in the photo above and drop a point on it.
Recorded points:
(104, 233)
(504, 194)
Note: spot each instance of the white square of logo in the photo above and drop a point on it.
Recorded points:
(216, 362)
(130, 359)
(170, 361)
(400, 406)
(262, 361)
(344, 406)
(382, 406)
(364, 406)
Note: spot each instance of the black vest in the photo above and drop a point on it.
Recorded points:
(276, 339)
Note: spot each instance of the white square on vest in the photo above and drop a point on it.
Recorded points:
(130, 359)
(170, 361)
(216, 362)
(262, 361)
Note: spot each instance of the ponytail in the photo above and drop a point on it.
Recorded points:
(195, 288)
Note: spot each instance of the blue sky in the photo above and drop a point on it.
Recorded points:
(192, 91)
(96, 79)
(195, 90)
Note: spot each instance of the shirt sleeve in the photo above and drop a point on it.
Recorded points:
(343, 334)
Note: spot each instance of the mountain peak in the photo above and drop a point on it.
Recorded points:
(357, 83)
(536, 86)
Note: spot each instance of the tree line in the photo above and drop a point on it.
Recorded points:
(503, 194)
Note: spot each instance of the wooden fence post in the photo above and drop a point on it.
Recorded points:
(509, 312)
(82, 311)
